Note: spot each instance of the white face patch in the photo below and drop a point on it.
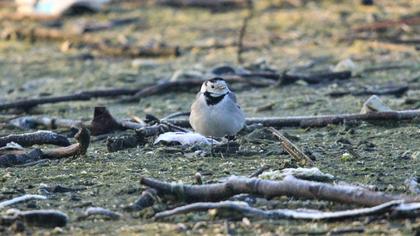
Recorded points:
(215, 88)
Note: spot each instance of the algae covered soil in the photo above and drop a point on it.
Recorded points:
(286, 34)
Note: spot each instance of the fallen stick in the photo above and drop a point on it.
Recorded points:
(103, 122)
(94, 211)
(79, 148)
(136, 94)
(188, 84)
(214, 5)
(120, 143)
(289, 186)
(24, 198)
(388, 90)
(38, 137)
(48, 34)
(81, 96)
(303, 214)
(314, 77)
(292, 149)
(322, 120)
(33, 122)
(40, 218)
(147, 199)
(21, 157)
(385, 24)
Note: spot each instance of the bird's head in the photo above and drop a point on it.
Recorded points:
(215, 87)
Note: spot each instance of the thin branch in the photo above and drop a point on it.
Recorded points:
(81, 96)
(289, 186)
(242, 31)
(323, 120)
(314, 77)
(387, 90)
(20, 199)
(292, 149)
(303, 214)
(385, 24)
(103, 46)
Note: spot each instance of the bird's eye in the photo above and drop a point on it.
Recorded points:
(212, 86)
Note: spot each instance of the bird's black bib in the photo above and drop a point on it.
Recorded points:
(210, 100)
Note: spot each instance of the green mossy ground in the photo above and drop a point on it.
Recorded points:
(285, 37)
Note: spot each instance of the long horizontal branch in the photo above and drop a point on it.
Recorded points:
(81, 96)
(289, 186)
(303, 214)
(188, 84)
(136, 94)
(322, 120)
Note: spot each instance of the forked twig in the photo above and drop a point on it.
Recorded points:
(292, 149)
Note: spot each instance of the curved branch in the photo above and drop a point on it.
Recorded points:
(248, 211)
(39, 137)
(289, 186)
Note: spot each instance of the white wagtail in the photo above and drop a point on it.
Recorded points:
(215, 112)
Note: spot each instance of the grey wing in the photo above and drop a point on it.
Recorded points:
(232, 96)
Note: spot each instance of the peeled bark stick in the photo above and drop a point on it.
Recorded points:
(92, 211)
(80, 148)
(303, 214)
(292, 149)
(32, 122)
(81, 96)
(19, 199)
(39, 137)
(40, 218)
(289, 186)
(322, 120)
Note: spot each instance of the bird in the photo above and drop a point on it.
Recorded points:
(215, 112)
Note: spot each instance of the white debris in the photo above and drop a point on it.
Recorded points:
(346, 65)
(374, 104)
(184, 138)
(300, 173)
(11, 146)
(54, 7)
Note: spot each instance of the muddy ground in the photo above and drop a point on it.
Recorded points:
(285, 36)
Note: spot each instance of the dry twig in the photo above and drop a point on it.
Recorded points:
(292, 149)
(242, 31)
